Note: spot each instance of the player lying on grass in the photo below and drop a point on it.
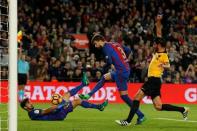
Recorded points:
(59, 112)
(115, 55)
(152, 87)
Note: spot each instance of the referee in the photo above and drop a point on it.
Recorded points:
(23, 74)
(152, 87)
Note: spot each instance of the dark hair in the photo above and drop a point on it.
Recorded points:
(23, 102)
(160, 41)
(97, 37)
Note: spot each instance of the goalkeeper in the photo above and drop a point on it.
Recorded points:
(59, 112)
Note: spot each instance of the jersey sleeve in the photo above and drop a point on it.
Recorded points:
(108, 57)
(127, 50)
(108, 60)
(107, 66)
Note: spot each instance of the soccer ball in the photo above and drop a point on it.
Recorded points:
(56, 99)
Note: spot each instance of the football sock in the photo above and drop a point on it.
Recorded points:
(133, 110)
(76, 89)
(98, 86)
(86, 104)
(21, 95)
(167, 107)
(129, 102)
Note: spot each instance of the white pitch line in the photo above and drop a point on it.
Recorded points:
(169, 119)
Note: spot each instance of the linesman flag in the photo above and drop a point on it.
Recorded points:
(19, 36)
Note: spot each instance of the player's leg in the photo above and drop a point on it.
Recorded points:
(87, 104)
(145, 90)
(136, 103)
(66, 96)
(121, 82)
(99, 85)
(129, 102)
(155, 95)
(157, 103)
(133, 109)
(167, 107)
(84, 82)
(73, 91)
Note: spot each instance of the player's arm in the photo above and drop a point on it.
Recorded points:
(19, 53)
(165, 61)
(166, 65)
(107, 66)
(127, 50)
(158, 25)
(108, 60)
(108, 56)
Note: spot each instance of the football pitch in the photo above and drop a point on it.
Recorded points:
(93, 120)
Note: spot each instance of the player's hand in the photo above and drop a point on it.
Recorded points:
(164, 65)
(159, 17)
(160, 66)
(112, 67)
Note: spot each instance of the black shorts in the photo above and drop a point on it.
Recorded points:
(152, 87)
(22, 79)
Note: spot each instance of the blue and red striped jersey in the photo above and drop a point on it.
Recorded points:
(116, 54)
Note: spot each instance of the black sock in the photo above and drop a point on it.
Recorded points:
(167, 107)
(133, 110)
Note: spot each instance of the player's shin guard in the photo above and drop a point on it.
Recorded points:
(76, 89)
(86, 104)
(167, 107)
(133, 110)
(98, 86)
(129, 102)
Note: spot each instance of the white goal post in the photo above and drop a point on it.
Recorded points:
(12, 118)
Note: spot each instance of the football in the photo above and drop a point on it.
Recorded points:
(56, 99)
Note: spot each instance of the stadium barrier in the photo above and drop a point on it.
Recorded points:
(42, 91)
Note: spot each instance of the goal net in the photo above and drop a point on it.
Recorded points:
(8, 65)
(3, 65)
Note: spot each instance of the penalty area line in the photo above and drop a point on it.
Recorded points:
(169, 119)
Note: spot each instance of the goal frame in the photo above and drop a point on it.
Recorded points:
(12, 80)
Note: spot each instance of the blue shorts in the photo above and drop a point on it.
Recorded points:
(120, 79)
(65, 110)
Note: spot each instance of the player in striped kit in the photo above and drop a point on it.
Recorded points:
(116, 55)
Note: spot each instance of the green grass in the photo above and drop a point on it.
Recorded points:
(93, 120)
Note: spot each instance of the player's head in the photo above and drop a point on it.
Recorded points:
(98, 40)
(26, 104)
(159, 43)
